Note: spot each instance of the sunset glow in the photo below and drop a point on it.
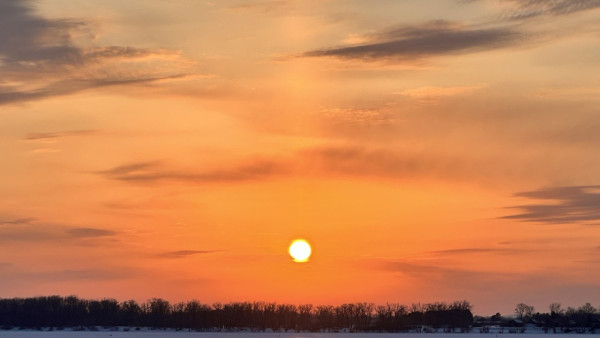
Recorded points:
(430, 150)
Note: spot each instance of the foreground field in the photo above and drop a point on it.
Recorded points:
(167, 334)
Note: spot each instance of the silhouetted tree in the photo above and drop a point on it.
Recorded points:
(56, 311)
(524, 311)
(157, 312)
(325, 317)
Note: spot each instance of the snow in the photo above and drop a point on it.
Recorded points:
(182, 334)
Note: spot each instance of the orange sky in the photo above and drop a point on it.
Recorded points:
(429, 150)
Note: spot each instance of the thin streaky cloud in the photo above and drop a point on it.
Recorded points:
(440, 37)
(427, 40)
(149, 172)
(27, 233)
(91, 274)
(90, 232)
(432, 93)
(40, 58)
(450, 276)
(72, 86)
(330, 160)
(5, 265)
(527, 9)
(264, 6)
(31, 230)
(471, 251)
(187, 253)
(101, 273)
(560, 205)
(59, 134)
(16, 221)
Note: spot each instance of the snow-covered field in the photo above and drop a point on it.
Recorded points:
(167, 334)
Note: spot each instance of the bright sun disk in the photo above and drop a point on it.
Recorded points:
(300, 250)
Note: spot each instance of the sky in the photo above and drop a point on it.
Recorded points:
(429, 150)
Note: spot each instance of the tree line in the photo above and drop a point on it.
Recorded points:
(60, 312)
(557, 320)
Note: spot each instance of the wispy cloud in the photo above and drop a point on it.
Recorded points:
(27, 233)
(289, 8)
(97, 274)
(473, 251)
(326, 160)
(560, 205)
(526, 9)
(456, 278)
(60, 134)
(394, 162)
(494, 284)
(264, 6)
(5, 266)
(426, 40)
(434, 94)
(441, 37)
(41, 59)
(23, 220)
(13, 94)
(148, 172)
(360, 160)
(33, 230)
(90, 232)
(362, 117)
(187, 253)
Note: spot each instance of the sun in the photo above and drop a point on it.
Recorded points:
(300, 250)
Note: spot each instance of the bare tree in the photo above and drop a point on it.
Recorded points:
(556, 309)
(587, 308)
(524, 311)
